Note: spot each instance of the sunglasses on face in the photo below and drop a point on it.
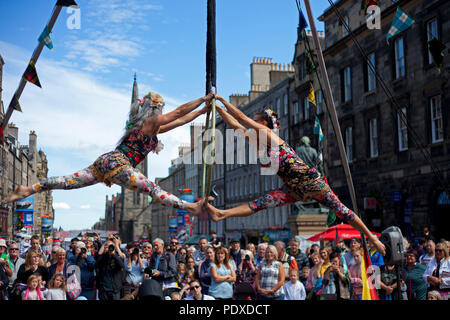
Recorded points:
(438, 250)
(13, 249)
(194, 287)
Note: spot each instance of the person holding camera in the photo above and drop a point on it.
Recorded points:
(134, 266)
(162, 267)
(110, 271)
(86, 263)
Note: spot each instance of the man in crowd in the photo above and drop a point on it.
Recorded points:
(235, 252)
(299, 256)
(429, 255)
(355, 243)
(110, 268)
(288, 261)
(35, 242)
(86, 263)
(199, 254)
(260, 253)
(162, 267)
(146, 251)
(196, 292)
(15, 260)
(203, 269)
(375, 257)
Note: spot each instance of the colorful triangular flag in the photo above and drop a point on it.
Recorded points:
(401, 22)
(15, 104)
(302, 23)
(30, 74)
(67, 3)
(44, 38)
(318, 129)
(311, 95)
(437, 48)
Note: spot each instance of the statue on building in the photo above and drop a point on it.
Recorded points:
(309, 155)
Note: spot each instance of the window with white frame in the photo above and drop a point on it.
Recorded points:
(437, 129)
(347, 84)
(399, 58)
(432, 32)
(296, 113)
(402, 130)
(285, 103)
(349, 143)
(305, 108)
(373, 136)
(371, 78)
(319, 101)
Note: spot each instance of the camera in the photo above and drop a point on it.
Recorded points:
(83, 250)
(153, 271)
(247, 257)
(135, 251)
(111, 247)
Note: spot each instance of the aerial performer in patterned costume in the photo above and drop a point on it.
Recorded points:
(146, 120)
(300, 181)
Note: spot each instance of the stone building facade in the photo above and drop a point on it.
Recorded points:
(384, 144)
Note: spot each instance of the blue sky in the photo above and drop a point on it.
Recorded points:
(86, 81)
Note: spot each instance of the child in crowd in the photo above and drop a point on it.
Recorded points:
(355, 274)
(294, 289)
(33, 291)
(175, 296)
(56, 288)
(434, 295)
(304, 276)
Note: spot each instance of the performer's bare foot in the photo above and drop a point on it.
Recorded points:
(19, 193)
(196, 208)
(214, 213)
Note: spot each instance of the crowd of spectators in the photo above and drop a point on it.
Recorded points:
(108, 270)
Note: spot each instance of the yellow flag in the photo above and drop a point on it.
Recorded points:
(311, 96)
(366, 290)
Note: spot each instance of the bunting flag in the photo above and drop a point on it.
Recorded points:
(331, 218)
(44, 38)
(369, 292)
(437, 52)
(67, 3)
(402, 21)
(311, 95)
(30, 74)
(16, 104)
(310, 67)
(302, 24)
(318, 129)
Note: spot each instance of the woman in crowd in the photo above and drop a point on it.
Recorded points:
(222, 276)
(437, 274)
(190, 266)
(417, 288)
(300, 181)
(52, 257)
(61, 266)
(251, 247)
(248, 268)
(34, 265)
(204, 269)
(270, 277)
(314, 281)
(188, 277)
(335, 281)
(134, 267)
(325, 256)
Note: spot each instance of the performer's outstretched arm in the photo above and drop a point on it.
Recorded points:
(183, 120)
(182, 110)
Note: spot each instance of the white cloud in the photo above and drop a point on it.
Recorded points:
(60, 205)
(85, 206)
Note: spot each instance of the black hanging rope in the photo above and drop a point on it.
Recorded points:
(211, 47)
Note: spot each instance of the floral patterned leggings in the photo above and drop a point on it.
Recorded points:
(128, 177)
(281, 197)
